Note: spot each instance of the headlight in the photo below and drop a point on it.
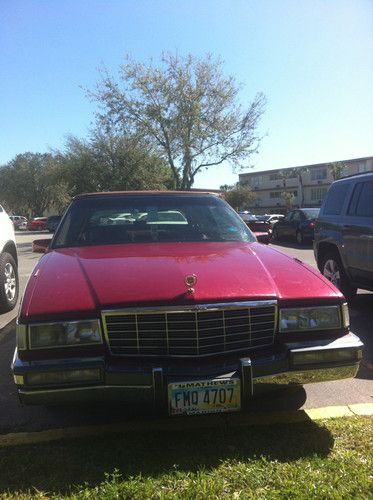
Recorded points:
(311, 318)
(74, 333)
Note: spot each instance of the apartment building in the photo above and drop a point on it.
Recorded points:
(307, 185)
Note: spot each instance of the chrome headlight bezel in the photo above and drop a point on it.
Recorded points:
(338, 318)
(67, 334)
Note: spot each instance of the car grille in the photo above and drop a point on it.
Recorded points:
(198, 331)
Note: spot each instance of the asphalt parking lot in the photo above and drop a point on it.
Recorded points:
(15, 418)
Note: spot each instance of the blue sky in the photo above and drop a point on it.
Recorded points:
(313, 59)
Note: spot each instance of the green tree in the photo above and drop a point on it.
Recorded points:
(185, 109)
(107, 162)
(30, 184)
(288, 198)
(239, 196)
(336, 168)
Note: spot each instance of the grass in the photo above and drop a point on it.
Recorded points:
(329, 459)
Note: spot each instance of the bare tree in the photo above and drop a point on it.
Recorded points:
(186, 109)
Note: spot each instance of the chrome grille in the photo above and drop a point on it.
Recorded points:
(198, 331)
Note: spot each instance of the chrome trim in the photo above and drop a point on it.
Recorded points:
(61, 323)
(193, 307)
(83, 388)
(302, 377)
(221, 306)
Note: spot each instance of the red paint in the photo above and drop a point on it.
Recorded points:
(38, 224)
(79, 282)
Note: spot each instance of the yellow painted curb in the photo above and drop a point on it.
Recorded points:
(362, 409)
(329, 412)
(187, 423)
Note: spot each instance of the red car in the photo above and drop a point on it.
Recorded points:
(261, 229)
(175, 306)
(37, 224)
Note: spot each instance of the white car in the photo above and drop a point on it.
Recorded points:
(8, 264)
(19, 222)
(246, 216)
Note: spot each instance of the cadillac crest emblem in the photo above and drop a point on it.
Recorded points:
(190, 281)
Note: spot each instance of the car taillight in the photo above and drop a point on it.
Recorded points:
(312, 224)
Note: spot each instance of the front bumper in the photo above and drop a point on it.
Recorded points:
(146, 384)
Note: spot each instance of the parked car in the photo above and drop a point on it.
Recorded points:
(8, 264)
(246, 216)
(271, 218)
(52, 222)
(37, 224)
(298, 224)
(261, 229)
(343, 244)
(191, 318)
(19, 222)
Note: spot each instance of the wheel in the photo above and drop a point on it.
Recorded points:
(8, 283)
(275, 234)
(299, 237)
(332, 269)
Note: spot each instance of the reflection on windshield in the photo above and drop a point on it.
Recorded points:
(104, 220)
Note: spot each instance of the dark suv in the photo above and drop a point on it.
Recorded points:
(343, 243)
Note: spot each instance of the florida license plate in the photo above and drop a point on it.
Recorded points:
(204, 396)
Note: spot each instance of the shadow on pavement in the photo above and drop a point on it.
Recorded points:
(57, 465)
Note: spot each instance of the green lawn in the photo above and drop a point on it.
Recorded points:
(329, 459)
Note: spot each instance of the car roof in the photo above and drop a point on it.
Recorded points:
(352, 177)
(143, 193)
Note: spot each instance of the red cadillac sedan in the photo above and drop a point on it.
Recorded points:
(167, 300)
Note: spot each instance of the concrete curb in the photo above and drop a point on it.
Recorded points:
(188, 423)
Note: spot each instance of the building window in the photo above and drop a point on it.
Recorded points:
(255, 181)
(277, 177)
(275, 194)
(318, 194)
(318, 174)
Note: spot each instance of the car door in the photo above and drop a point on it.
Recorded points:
(282, 227)
(358, 234)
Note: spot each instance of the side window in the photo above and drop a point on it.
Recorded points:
(354, 199)
(365, 204)
(1, 209)
(296, 216)
(288, 217)
(335, 199)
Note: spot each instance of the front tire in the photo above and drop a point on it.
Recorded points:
(275, 236)
(299, 237)
(332, 269)
(9, 284)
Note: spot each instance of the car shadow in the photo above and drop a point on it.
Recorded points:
(150, 453)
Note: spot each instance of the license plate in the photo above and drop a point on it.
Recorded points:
(204, 396)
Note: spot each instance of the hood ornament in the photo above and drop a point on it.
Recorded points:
(190, 281)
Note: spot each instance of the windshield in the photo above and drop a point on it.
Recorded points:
(311, 213)
(106, 220)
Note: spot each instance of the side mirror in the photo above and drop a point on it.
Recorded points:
(40, 246)
(263, 238)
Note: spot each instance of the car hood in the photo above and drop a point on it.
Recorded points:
(79, 282)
